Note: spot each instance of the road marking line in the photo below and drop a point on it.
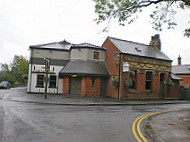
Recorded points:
(137, 123)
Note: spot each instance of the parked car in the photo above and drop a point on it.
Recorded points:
(5, 85)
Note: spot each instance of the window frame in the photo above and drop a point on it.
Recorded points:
(53, 81)
(40, 81)
(149, 79)
(116, 56)
(96, 56)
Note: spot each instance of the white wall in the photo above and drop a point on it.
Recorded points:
(32, 82)
(86, 54)
(52, 54)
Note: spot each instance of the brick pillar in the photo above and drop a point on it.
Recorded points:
(83, 87)
(156, 84)
(66, 86)
(141, 81)
(168, 76)
(98, 87)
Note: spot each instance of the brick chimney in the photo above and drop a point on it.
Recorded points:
(179, 60)
(155, 41)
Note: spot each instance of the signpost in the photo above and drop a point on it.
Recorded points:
(47, 68)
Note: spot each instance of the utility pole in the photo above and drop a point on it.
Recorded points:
(47, 68)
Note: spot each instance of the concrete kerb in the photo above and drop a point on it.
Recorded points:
(104, 103)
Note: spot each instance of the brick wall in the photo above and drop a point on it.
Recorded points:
(186, 81)
(66, 86)
(139, 64)
(87, 89)
(113, 67)
(174, 92)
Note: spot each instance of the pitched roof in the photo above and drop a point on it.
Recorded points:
(174, 77)
(181, 69)
(87, 45)
(85, 67)
(62, 45)
(138, 49)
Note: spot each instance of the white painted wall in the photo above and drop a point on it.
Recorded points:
(33, 80)
(52, 54)
(79, 53)
(86, 54)
(90, 54)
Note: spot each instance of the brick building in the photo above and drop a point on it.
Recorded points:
(86, 72)
(183, 72)
(136, 70)
(119, 69)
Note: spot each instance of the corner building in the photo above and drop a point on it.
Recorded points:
(146, 66)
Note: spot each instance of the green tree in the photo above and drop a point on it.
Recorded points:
(19, 68)
(6, 73)
(128, 10)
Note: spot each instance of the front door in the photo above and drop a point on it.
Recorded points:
(162, 80)
(75, 86)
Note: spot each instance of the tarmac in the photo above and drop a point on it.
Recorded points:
(161, 128)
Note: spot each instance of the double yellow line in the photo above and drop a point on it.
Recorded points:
(137, 123)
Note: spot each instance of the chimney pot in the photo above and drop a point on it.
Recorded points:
(179, 60)
(155, 41)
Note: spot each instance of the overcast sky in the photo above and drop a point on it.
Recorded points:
(30, 22)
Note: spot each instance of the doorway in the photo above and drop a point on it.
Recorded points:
(162, 81)
(75, 86)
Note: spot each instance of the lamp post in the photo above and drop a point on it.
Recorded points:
(47, 68)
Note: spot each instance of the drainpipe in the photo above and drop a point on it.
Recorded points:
(119, 76)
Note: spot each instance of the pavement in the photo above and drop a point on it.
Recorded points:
(20, 95)
(172, 126)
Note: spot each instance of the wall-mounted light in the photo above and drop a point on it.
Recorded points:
(74, 75)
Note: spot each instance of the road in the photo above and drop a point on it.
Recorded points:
(35, 122)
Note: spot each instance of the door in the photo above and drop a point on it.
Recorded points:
(75, 86)
(162, 80)
(103, 87)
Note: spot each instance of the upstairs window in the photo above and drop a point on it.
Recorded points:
(40, 81)
(116, 55)
(148, 80)
(52, 82)
(96, 55)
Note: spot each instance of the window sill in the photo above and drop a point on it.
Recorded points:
(39, 86)
(148, 91)
(52, 87)
(133, 91)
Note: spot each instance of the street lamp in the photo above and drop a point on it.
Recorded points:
(47, 68)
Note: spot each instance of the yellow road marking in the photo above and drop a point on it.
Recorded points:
(138, 134)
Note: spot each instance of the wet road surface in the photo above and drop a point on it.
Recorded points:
(35, 122)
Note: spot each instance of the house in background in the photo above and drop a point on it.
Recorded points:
(145, 67)
(77, 69)
(183, 72)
